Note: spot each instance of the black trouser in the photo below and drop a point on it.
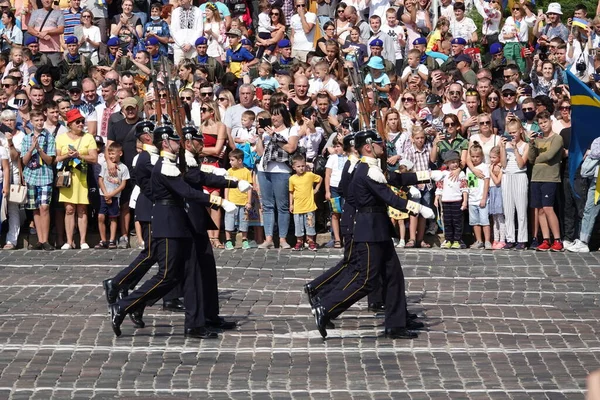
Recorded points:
(129, 277)
(329, 279)
(208, 271)
(193, 297)
(170, 254)
(453, 220)
(375, 262)
(570, 208)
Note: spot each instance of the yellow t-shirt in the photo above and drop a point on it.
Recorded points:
(235, 196)
(302, 189)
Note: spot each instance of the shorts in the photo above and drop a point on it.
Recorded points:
(479, 216)
(238, 218)
(38, 196)
(305, 223)
(111, 210)
(542, 194)
(126, 193)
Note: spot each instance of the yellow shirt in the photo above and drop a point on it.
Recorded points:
(234, 195)
(302, 189)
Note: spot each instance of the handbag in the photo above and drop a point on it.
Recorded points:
(18, 192)
(63, 179)
(588, 167)
(319, 165)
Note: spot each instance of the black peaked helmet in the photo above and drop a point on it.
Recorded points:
(348, 140)
(191, 132)
(366, 137)
(165, 132)
(144, 126)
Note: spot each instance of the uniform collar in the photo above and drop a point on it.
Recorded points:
(168, 155)
(370, 161)
(190, 159)
(150, 148)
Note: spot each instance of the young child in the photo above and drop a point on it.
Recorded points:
(110, 191)
(495, 204)
(241, 200)
(398, 217)
(264, 28)
(247, 132)
(324, 83)
(452, 196)
(302, 202)
(333, 174)
(265, 80)
(479, 217)
(414, 67)
(378, 78)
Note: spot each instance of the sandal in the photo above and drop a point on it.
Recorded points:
(216, 244)
(337, 244)
(111, 245)
(410, 244)
(425, 245)
(101, 245)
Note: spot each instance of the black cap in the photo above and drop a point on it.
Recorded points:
(144, 126)
(348, 140)
(366, 137)
(191, 132)
(165, 132)
(433, 98)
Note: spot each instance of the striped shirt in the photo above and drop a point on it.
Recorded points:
(71, 21)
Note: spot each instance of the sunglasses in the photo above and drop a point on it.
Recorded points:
(485, 123)
(565, 108)
(508, 94)
(162, 96)
(507, 76)
(206, 94)
(516, 9)
(7, 85)
(341, 10)
(204, 109)
(449, 124)
(493, 98)
(222, 98)
(274, 13)
(80, 121)
(528, 109)
(185, 97)
(86, 16)
(408, 99)
(454, 92)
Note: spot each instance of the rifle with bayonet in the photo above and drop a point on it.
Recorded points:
(176, 111)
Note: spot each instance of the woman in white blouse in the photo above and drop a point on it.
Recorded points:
(11, 34)
(492, 14)
(515, 34)
(214, 31)
(91, 38)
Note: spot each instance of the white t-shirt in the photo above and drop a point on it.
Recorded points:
(17, 141)
(3, 156)
(303, 41)
(476, 185)
(274, 166)
(331, 86)
(422, 68)
(311, 142)
(448, 109)
(336, 163)
(395, 33)
(463, 29)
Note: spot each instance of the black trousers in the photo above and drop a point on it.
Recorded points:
(129, 277)
(453, 220)
(170, 255)
(208, 272)
(193, 297)
(375, 263)
(570, 207)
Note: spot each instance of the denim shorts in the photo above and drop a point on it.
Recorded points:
(305, 223)
(478, 215)
(111, 210)
(237, 218)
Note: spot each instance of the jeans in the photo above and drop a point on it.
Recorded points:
(274, 189)
(239, 218)
(304, 223)
(589, 214)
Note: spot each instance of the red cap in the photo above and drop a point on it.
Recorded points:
(73, 115)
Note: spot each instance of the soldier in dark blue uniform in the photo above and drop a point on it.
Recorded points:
(202, 259)
(171, 231)
(376, 260)
(128, 278)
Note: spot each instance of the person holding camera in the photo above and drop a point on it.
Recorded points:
(447, 140)
(543, 76)
(509, 111)
(302, 33)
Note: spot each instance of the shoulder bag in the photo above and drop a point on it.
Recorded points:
(63, 176)
(18, 192)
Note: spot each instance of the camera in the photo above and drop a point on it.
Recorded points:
(581, 67)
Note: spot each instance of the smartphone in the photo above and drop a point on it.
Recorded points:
(558, 90)
(264, 122)
(5, 129)
(19, 102)
(71, 147)
(596, 77)
(291, 86)
(507, 136)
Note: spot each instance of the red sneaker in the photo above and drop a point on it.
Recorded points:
(298, 246)
(557, 246)
(544, 246)
(312, 246)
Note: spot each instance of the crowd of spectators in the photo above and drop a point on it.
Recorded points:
(274, 86)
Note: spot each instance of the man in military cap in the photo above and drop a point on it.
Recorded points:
(376, 50)
(72, 66)
(375, 253)
(458, 47)
(213, 67)
(116, 58)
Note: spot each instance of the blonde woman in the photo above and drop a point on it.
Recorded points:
(215, 138)
(407, 107)
(214, 31)
(225, 100)
(395, 139)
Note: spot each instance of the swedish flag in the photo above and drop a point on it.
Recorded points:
(585, 116)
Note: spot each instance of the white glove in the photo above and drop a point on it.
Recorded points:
(244, 186)
(427, 212)
(437, 175)
(229, 206)
(415, 194)
(219, 171)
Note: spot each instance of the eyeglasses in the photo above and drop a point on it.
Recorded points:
(493, 98)
(7, 85)
(274, 13)
(206, 94)
(454, 92)
(86, 16)
(79, 121)
(565, 108)
(185, 97)
(162, 96)
(408, 99)
(527, 109)
(449, 124)
(485, 123)
(222, 98)
(204, 109)
(508, 94)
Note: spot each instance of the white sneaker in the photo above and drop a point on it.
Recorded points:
(401, 244)
(84, 246)
(396, 242)
(579, 247)
(567, 244)
(66, 246)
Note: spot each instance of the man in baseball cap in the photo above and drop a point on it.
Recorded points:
(237, 55)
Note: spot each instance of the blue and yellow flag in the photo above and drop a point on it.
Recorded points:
(585, 114)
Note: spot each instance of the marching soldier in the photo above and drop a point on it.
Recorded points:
(202, 257)
(375, 252)
(171, 231)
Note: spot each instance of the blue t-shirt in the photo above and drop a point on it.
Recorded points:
(266, 83)
(235, 58)
(381, 81)
(159, 28)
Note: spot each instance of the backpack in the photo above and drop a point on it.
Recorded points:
(250, 157)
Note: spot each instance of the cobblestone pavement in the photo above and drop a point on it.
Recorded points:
(501, 325)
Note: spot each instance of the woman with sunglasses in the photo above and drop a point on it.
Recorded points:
(75, 150)
(486, 139)
(492, 101)
(450, 139)
(468, 116)
(341, 23)
(90, 41)
(515, 33)
(215, 137)
(225, 100)
(277, 33)
(407, 107)
(23, 105)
